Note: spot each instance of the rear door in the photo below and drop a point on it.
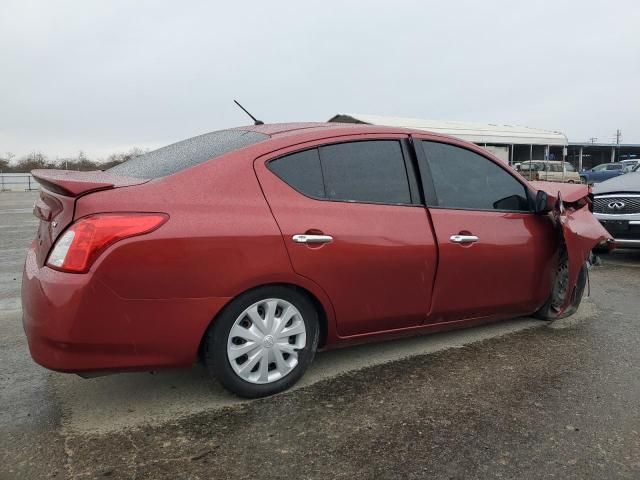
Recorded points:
(495, 255)
(353, 222)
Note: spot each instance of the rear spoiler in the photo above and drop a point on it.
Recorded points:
(71, 183)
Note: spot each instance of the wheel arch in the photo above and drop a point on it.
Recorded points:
(317, 297)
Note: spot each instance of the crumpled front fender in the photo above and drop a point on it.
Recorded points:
(580, 230)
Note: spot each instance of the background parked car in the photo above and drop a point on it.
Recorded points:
(630, 164)
(617, 205)
(549, 171)
(602, 172)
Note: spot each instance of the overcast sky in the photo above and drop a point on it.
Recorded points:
(104, 76)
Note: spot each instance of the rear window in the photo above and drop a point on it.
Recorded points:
(188, 153)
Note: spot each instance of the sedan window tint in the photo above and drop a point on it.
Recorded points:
(188, 153)
(301, 171)
(464, 179)
(366, 171)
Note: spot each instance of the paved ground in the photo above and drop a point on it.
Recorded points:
(518, 399)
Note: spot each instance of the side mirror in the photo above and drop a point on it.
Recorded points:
(541, 204)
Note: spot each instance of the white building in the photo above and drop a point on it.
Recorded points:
(508, 142)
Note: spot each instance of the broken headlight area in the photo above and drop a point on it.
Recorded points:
(579, 229)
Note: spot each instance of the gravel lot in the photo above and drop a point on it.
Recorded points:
(518, 399)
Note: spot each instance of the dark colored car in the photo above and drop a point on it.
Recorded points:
(616, 204)
(602, 172)
(253, 247)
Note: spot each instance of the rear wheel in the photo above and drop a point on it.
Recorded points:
(552, 306)
(263, 342)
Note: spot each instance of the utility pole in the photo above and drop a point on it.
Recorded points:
(593, 139)
(618, 137)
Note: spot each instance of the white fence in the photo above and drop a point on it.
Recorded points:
(17, 182)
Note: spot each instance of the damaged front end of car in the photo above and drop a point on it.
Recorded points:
(570, 208)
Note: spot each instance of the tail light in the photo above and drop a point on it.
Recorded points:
(80, 245)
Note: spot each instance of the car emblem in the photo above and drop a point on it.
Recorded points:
(616, 205)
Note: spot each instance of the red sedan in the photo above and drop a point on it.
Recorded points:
(251, 248)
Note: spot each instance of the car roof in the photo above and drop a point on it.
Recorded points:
(275, 130)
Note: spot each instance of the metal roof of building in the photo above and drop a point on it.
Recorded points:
(473, 132)
(602, 144)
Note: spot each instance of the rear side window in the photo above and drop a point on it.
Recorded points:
(464, 179)
(614, 167)
(302, 171)
(188, 153)
(366, 171)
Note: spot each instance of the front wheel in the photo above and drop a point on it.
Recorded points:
(262, 342)
(549, 311)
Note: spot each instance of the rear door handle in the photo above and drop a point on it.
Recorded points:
(304, 238)
(463, 238)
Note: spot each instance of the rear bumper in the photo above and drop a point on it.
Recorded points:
(76, 323)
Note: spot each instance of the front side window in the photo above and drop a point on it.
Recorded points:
(465, 180)
(614, 167)
(366, 171)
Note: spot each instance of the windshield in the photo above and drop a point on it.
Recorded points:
(531, 166)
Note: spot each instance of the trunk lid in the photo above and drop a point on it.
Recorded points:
(56, 203)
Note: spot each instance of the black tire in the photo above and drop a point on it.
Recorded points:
(216, 338)
(549, 311)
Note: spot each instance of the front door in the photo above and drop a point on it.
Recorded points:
(496, 257)
(352, 222)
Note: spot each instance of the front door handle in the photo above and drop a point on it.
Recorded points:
(463, 238)
(304, 238)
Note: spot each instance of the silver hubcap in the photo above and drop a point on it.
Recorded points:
(264, 341)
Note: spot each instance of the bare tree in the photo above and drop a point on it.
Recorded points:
(33, 161)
